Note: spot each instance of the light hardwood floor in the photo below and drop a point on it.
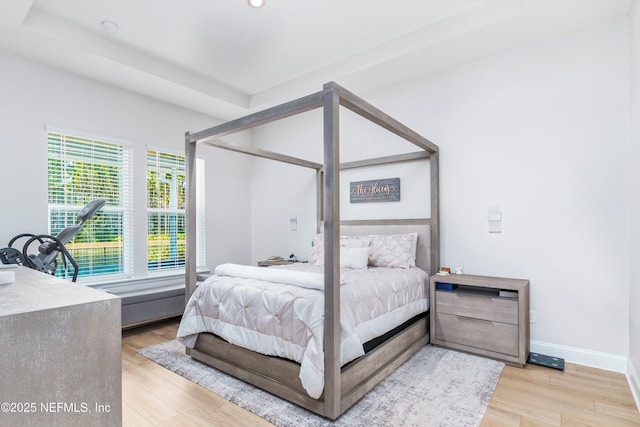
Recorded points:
(532, 396)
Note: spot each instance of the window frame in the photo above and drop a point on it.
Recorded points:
(125, 161)
(200, 214)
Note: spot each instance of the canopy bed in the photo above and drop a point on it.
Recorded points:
(344, 378)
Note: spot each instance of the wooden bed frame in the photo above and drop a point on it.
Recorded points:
(343, 386)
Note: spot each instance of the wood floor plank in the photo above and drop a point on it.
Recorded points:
(131, 417)
(191, 405)
(607, 387)
(593, 419)
(499, 417)
(529, 373)
(544, 397)
(529, 396)
(146, 403)
(182, 420)
(617, 409)
(536, 413)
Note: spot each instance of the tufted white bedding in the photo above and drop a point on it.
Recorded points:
(288, 321)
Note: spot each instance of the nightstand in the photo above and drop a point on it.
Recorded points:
(488, 316)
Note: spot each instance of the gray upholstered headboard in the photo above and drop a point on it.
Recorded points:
(421, 226)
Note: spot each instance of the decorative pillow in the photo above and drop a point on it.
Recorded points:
(354, 257)
(393, 250)
(316, 256)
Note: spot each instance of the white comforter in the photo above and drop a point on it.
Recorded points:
(287, 320)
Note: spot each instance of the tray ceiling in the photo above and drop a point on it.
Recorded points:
(224, 58)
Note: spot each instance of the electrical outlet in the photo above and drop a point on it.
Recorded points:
(532, 316)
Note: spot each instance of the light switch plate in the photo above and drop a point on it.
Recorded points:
(494, 218)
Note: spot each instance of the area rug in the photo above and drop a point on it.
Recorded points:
(436, 387)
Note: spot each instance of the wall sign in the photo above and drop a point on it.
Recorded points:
(376, 190)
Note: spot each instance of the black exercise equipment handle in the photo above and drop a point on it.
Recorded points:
(61, 247)
(12, 241)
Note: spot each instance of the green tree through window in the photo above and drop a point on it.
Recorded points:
(82, 169)
(166, 184)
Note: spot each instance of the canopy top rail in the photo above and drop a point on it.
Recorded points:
(259, 152)
(398, 158)
(291, 108)
(359, 106)
(297, 106)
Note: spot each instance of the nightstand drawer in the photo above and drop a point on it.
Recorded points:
(494, 309)
(481, 334)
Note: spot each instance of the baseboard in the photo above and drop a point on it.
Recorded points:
(634, 382)
(595, 359)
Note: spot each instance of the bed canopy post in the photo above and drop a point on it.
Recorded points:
(435, 213)
(331, 209)
(319, 200)
(190, 220)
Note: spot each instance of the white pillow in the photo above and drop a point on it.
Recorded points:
(393, 250)
(354, 257)
(354, 242)
(316, 257)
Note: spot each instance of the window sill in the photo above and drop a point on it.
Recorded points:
(155, 282)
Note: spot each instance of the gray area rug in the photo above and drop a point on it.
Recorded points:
(436, 387)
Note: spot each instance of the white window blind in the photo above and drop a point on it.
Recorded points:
(81, 169)
(166, 226)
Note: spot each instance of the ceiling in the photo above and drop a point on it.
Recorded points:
(226, 59)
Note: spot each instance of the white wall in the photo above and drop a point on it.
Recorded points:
(634, 200)
(34, 95)
(542, 131)
(280, 191)
(415, 192)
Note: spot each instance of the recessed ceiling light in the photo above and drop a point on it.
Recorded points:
(256, 3)
(109, 27)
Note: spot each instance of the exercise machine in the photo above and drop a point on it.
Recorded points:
(46, 258)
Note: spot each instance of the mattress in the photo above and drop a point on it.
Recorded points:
(287, 320)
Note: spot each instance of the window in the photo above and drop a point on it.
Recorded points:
(83, 168)
(166, 185)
